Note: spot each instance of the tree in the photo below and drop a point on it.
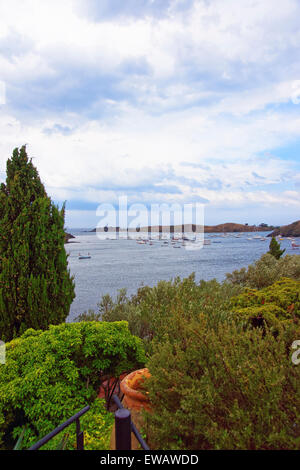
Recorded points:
(274, 248)
(51, 375)
(36, 288)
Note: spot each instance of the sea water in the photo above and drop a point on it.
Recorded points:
(123, 263)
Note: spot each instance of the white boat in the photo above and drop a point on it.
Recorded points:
(88, 256)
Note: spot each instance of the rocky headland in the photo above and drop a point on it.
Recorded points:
(68, 237)
(291, 230)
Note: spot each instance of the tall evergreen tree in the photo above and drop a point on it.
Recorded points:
(274, 248)
(36, 288)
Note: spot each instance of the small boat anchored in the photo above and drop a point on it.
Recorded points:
(88, 256)
(295, 245)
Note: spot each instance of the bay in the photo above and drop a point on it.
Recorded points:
(123, 263)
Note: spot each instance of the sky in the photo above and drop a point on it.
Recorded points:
(161, 101)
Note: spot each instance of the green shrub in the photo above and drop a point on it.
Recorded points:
(223, 388)
(96, 424)
(271, 305)
(148, 311)
(266, 271)
(90, 315)
(51, 375)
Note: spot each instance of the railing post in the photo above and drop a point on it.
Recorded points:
(79, 436)
(123, 429)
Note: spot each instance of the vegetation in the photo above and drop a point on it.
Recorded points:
(148, 311)
(216, 383)
(36, 288)
(269, 306)
(222, 388)
(265, 271)
(50, 375)
(219, 354)
(275, 248)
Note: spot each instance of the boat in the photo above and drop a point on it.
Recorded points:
(295, 245)
(88, 256)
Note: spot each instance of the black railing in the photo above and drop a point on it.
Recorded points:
(79, 433)
(124, 427)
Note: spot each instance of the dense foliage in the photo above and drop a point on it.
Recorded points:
(266, 271)
(36, 288)
(271, 305)
(148, 311)
(221, 387)
(217, 382)
(50, 375)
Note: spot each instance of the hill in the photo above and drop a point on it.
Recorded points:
(291, 230)
(232, 227)
(221, 228)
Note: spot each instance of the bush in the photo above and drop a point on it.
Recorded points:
(90, 315)
(51, 375)
(223, 388)
(266, 271)
(96, 424)
(149, 310)
(271, 305)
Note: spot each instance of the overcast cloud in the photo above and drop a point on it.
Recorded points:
(162, 100)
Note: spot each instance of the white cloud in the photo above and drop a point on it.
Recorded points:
(209, 85)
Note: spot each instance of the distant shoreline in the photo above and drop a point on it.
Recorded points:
(221, 228)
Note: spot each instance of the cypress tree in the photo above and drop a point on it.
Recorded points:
(274, 248)
(36, 288)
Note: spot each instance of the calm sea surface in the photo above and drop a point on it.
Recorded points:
(123, 263)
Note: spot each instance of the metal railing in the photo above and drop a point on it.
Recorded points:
(124, 427)
(79, 433)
